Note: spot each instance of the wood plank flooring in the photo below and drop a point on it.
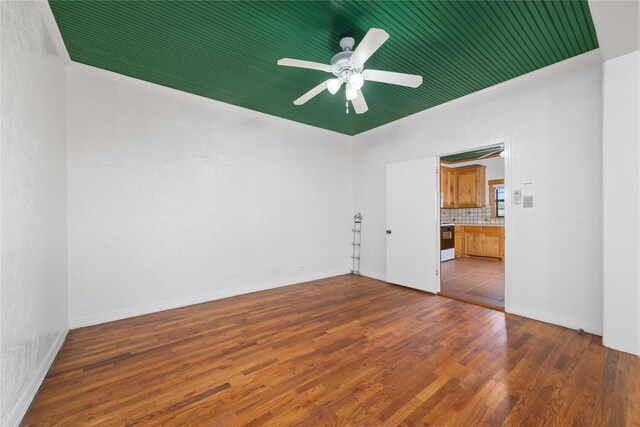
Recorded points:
(475, 280)
(341, 351)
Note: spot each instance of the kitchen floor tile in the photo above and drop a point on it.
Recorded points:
(476, 279)
(489, 289)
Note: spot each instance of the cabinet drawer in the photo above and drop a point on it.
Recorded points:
(472, 229)
(492, 230)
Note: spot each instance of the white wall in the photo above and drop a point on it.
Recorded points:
(621, 207)
(174, 199)
(553, 120)
(33, 212)
(617, 24)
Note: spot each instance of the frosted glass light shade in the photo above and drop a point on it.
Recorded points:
(356, 81)
(334, 85)
(351, 93)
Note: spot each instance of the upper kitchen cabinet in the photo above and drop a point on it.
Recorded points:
(470, 186)
(448, 187)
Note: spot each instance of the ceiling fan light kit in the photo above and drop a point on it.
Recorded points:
(351, 93)
(333, 86)
(356, 81)
(348, 67)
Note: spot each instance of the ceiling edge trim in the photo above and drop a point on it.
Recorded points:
(189, 96)
(51, 23)
(540, 72)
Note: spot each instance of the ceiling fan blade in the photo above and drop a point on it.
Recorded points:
(410, 80)
(359, 104)
(288, 62)
(313, 92)
(369, 44)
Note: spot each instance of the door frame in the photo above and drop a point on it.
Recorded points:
(508, 155)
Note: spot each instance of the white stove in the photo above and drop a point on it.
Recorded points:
(447, 240)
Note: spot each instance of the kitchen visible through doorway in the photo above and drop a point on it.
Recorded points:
(472, 221)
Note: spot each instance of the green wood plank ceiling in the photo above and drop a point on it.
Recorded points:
(227, 50)
(473, 154)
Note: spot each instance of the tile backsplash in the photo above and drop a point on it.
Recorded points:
(469, 216)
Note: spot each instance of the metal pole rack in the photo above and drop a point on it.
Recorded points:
(357, 238)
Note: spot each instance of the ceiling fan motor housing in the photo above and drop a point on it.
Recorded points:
(347, 43)
(341, 67)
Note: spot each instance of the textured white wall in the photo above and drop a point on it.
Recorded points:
(33, 204)
(617, 24)
(618, 27)
(553, 120)
(621, 241)
(174, 199)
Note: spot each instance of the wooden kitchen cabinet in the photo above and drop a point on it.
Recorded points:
(482, 241)
(458, 245)
(493, 242)
(470, 186)
(473, 244)
(448, 187)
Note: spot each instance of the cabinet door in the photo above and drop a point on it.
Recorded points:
(473, 243)
(493, 241)
(448, 187)
(471, 187)
(491, 245)
(459, 241)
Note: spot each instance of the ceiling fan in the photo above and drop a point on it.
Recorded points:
(348, 67)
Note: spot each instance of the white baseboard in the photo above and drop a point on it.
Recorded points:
(19, 411)
(377, 276)
(542, 316)
(627, 347)
(555, 319)
(124, 313)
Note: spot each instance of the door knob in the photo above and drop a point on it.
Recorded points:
(388, 231)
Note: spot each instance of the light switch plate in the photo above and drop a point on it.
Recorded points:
(517, 197)
(527, 201)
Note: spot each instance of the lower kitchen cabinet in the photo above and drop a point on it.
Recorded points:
(473, 241)
(493, 242)
(458, 241)
(482, 241)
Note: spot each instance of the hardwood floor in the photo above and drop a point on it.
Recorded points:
(342, 351)
(475, 280)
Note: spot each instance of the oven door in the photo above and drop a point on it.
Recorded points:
(447, 238)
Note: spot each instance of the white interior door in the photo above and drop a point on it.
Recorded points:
(412, 224)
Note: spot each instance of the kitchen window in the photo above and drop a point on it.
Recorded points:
(496, 198)
(499, 196)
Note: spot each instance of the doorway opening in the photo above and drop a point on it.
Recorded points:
(472, 226)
